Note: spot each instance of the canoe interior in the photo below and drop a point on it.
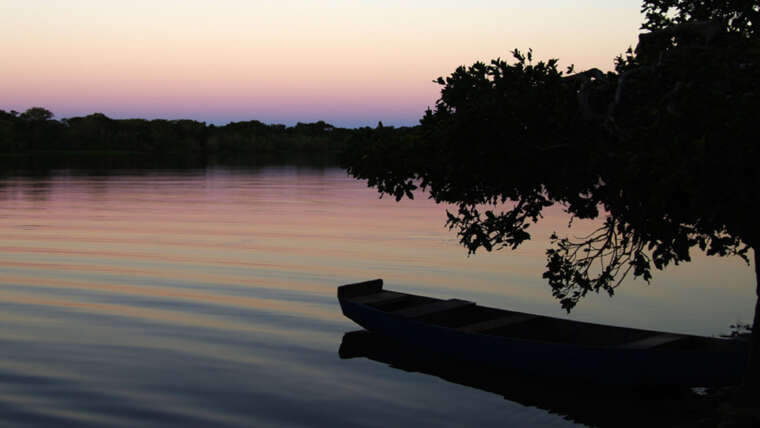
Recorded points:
(518, 325)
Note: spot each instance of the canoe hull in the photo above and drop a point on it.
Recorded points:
(560, 360)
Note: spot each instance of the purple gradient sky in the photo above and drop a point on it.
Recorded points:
(350, 63)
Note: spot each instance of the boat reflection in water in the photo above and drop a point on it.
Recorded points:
(589, 404)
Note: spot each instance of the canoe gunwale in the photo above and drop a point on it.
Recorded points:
(605, 363)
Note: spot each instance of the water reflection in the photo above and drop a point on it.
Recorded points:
(100, 164)
(206, 296)
(589, 404)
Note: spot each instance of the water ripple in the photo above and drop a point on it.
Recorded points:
(207, 298)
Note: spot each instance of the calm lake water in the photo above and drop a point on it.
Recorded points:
(206, 297)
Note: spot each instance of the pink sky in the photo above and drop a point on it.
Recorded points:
(350, 63)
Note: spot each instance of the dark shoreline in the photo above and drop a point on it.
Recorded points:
(44, 163)
(36, 133)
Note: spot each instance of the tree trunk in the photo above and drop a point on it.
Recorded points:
(752, 376)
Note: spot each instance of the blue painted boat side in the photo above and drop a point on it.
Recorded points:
(604, 364)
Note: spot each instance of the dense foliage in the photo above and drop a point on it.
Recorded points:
(35, 130)
(664, 150)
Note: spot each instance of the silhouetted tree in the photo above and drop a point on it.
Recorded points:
(36, 126)
(36, 114)
(35, 130)
(665, 150)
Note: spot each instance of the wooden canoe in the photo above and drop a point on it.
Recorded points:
(543, 346)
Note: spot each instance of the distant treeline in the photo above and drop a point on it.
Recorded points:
(36, 130)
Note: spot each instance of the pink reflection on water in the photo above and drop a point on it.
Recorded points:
(307, 231)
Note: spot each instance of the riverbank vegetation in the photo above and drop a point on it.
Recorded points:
(36, 131)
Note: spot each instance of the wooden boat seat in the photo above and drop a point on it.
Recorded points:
(652, 341)
(496, 323)
(379, 298)
(432, 308)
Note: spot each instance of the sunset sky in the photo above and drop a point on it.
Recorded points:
(350, 63)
